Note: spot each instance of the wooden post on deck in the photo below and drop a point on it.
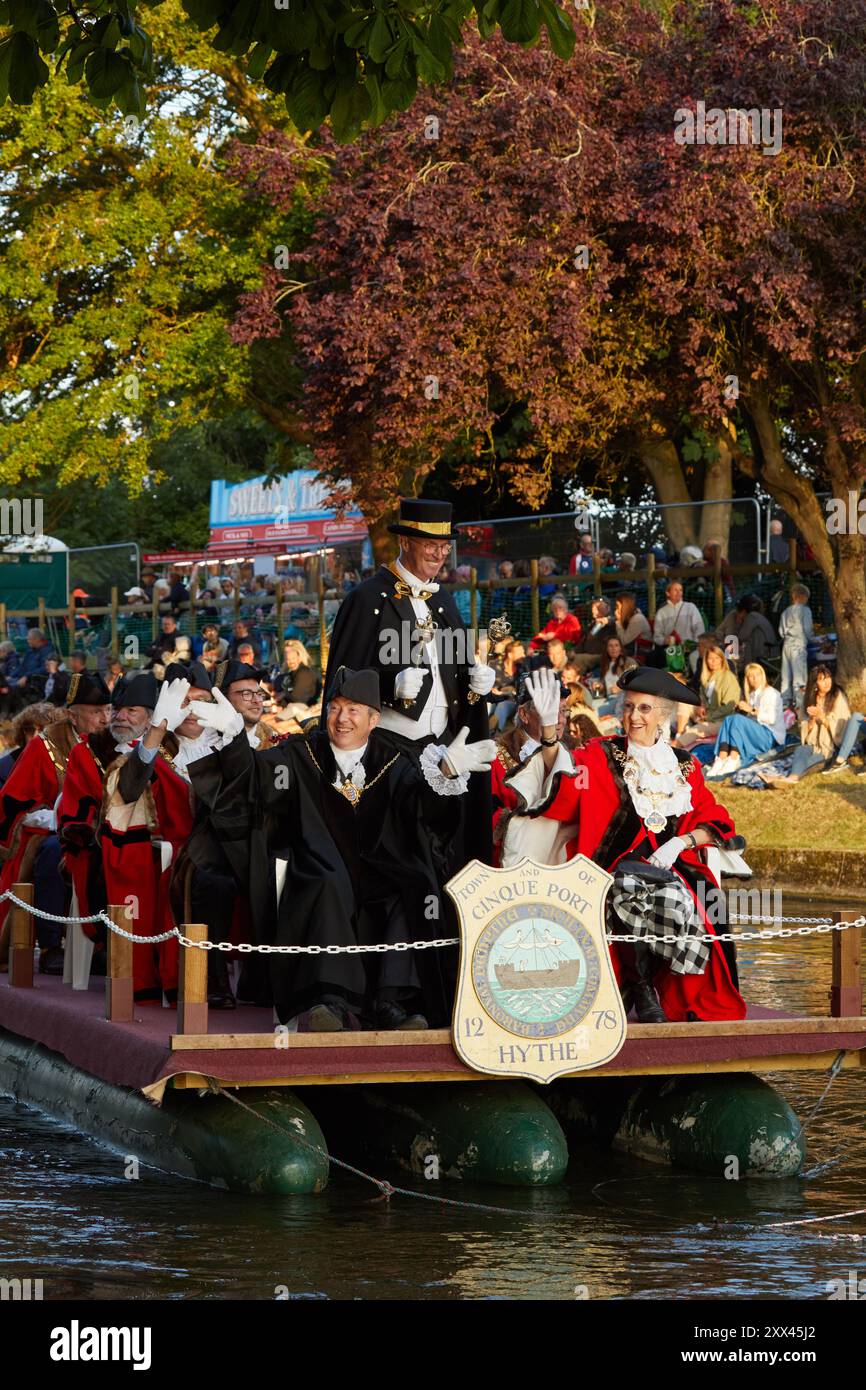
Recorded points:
(118, 979)
(21, 938)
(534, 605)
(192, 983)
(846, 992)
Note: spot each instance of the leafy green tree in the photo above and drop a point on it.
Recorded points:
(356, 61)
(124, 245)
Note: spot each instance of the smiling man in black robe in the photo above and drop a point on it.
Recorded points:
(341, 837)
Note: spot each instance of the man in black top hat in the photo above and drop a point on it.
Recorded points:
(342, 837)
(400, 624)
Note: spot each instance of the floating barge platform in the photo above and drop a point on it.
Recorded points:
(151, 1056)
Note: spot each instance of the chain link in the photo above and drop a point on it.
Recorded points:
(811, 926)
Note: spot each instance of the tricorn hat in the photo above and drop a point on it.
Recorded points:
(424, 520)
(197, 675)
(140, 689)
(87, 689)
(227, 672)
(648, 680)
(361, 686)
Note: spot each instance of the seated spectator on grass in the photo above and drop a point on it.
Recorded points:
(557, 655)
(613, 663)
(241, 637)
(210, 637)
(632, 626)
(756, 642)
(677, 623)
(855, 730)
(296, 682)
(563, 624)
(719, 690)
(823, 728)
(503, 696)
(756, 727)
(588, 650)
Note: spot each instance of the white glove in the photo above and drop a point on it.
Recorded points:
(407, 684)
(543, 685)
(462, 757)
(481, 679)
(169, 705)
(220, 715)
(667, 854)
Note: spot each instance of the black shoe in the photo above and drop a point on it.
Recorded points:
(219, 991)
(51, 961)
(390, 1017)
(646, 1004)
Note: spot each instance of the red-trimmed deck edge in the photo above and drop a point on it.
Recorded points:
(139, 1054)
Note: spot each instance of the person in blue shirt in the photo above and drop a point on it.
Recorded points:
(32, 670)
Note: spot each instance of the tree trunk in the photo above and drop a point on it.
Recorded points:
(715, 522)
(848, 593)
(662, 462)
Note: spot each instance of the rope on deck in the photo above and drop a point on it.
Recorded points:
(809, 926)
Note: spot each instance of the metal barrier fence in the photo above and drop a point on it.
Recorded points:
(127, 631)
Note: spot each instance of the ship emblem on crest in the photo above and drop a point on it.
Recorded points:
(537, 996)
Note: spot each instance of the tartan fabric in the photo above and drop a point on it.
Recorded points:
(661, 909)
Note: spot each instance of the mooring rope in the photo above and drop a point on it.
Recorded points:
(809, 926)
(386, 1189)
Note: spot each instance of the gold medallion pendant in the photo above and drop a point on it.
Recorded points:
(349, 790)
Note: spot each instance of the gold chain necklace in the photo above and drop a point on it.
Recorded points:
(347, 788)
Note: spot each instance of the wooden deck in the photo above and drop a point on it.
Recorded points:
(145, 1052)
(103, 1033)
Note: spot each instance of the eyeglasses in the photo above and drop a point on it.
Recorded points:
(250, 695)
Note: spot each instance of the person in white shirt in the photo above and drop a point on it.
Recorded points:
(676, 620)
(758, 727)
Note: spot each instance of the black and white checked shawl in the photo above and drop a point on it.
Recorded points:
(661, 909)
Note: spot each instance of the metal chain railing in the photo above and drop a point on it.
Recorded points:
(811, 925)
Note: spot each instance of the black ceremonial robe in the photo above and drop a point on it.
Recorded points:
(355, 874)
(374, 630)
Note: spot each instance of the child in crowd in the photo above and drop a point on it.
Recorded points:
(796, 631)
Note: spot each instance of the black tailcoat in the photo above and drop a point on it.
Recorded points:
(374, 629)
(355, 874)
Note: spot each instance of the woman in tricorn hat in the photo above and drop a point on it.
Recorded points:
(634, 797)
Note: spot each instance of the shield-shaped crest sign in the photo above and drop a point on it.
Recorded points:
(537, 996)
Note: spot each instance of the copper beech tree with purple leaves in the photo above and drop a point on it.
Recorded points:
(537, 242)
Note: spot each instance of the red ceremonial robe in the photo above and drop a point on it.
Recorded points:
(32, 785)
(133, 868)
(78, 813)
(600, 808)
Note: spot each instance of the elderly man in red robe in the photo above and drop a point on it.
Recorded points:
(130, 845)
(28, 843)
(635, 798)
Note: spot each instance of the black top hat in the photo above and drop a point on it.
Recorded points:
(362, 686)
(141, 689)
(648, 680)
(227, 672)
(424, 520)
(86, 689)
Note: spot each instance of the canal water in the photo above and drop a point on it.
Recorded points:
(618, 1229)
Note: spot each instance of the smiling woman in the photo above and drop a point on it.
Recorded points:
(636, 798)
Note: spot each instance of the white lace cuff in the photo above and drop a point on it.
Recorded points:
(435, 777)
